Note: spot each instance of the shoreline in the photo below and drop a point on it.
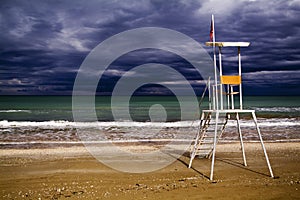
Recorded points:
(72, 173)
(81, 149)
(69, 144)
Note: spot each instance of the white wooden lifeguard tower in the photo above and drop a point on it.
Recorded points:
(222, 92)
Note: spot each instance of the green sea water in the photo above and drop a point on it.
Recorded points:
(48, 108)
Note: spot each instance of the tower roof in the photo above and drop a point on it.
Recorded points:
(228, 44)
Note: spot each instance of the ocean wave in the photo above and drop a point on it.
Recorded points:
(273, 122)
(277, 109)
(15, 111)
(66, 124)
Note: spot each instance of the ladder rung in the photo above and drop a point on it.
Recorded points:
(208, 136)
(206, 142)
(213, 123)
(204, 148)
(212, 135)
(210, 131)
(207, 139)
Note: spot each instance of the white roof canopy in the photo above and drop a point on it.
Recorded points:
(228, 44)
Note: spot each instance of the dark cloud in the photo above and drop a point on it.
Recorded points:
(43, 43)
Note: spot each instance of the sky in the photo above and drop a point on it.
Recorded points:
(43, 43)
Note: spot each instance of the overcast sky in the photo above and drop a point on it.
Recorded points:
(43, 43)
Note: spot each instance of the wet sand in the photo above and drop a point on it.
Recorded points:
(72, 173)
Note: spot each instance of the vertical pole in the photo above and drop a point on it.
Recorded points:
(232, 99)
(214, 98)
(241, 138)
(262, 144)
(214, 148)
(209, 94)
(240, 74)
(228, 97)
(215, 64)
(221, 73)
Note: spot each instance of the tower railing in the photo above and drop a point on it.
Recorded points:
(218, 89)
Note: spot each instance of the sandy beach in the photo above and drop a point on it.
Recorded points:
(72, 173)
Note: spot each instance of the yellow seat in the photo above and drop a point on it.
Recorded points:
(231, 80)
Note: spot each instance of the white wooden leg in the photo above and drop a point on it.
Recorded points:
(262, 144)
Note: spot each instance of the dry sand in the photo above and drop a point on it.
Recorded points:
(72, 173)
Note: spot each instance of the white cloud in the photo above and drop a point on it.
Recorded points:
(201, 82)
(16, 82)
(68, 39)
(23, 23)
(273, 76)
(115, 72)
(221, 7)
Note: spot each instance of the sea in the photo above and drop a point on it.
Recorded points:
(47, 121)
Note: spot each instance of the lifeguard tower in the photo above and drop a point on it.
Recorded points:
(222, 93)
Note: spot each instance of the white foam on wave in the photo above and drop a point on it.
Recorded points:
(278, 109)
(274, 122)
(15, 111)
(179, 124)
(44, 124)
(67, 124)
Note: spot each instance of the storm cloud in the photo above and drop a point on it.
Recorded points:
(43, 43)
